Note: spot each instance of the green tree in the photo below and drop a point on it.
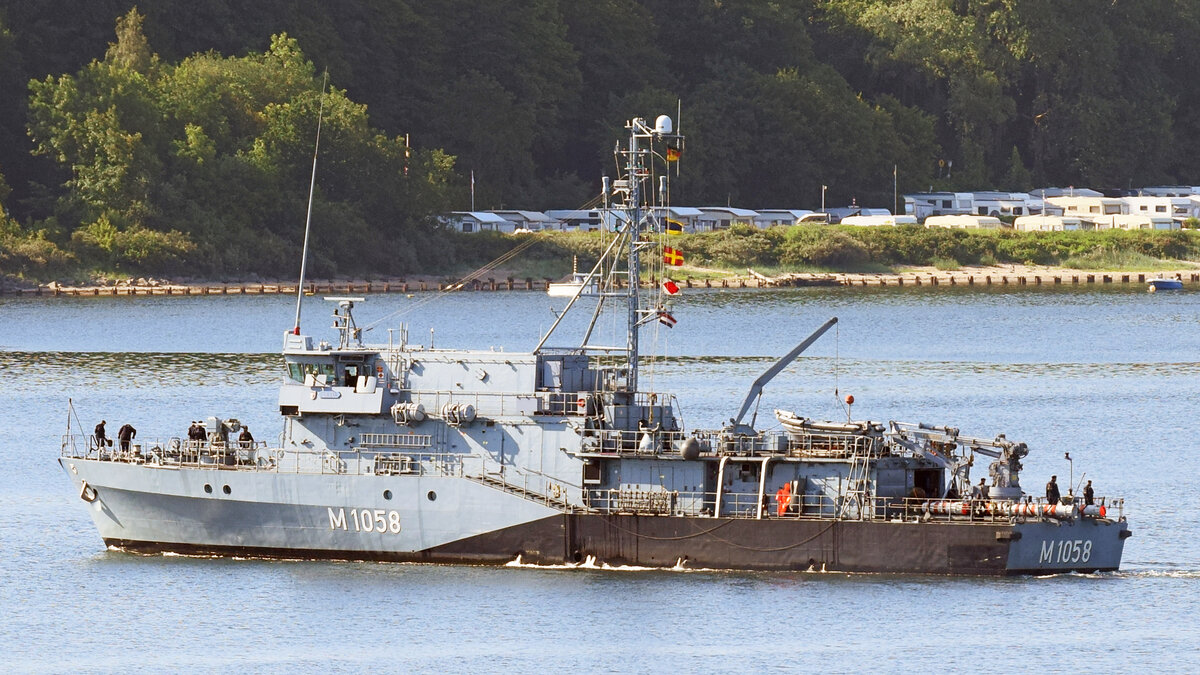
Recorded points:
(1017, 178)
(207, 163)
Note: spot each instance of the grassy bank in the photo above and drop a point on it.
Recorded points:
(883, 249)
(773, 251)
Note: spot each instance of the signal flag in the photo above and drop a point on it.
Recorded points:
(670, 287)
(672, 256)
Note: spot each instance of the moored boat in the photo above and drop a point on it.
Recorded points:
(579, 283)
(1164, 284)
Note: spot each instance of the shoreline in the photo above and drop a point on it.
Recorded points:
(982, 276)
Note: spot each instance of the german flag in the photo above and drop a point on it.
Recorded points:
(672, 153)
(674, 227)
(672, 256)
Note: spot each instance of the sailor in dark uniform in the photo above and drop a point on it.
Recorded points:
(1052, 495)
(125, 434)
(1089, 495)
(245, 439)
(101, 438)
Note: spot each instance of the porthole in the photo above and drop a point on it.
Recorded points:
(432, 496)
(387, 494)
(226, 489)
(208, 488)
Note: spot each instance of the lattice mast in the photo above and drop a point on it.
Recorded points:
(634, 196)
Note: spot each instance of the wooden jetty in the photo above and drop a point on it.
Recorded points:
(752, 280)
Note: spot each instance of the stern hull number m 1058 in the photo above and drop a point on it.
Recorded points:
(365, 520)
(1065, 551)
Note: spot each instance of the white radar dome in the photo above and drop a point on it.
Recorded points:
(662, 125)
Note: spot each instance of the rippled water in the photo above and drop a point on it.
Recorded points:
(1108, 374)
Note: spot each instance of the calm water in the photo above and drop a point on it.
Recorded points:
(1109, 375)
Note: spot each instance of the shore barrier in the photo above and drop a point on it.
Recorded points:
(531, 284)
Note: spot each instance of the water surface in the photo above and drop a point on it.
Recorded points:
(1106, 374)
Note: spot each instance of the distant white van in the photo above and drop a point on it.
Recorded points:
(877, 221)
(965, 222)
(1049, 224)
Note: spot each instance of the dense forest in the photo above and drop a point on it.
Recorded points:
(177, 137)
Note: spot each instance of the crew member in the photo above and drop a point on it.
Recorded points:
(245, 439)
(101, 438)
(126, 434)
(980, 491)
(1052, 495)
(1089, 495)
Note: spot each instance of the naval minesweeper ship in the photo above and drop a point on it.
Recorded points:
(404, 452)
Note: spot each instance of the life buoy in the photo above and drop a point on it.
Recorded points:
(87, 493)
(555, 490)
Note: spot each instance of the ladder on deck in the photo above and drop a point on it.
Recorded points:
(559, 502)
(856, 498)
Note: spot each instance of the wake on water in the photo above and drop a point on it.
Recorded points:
(590, 564)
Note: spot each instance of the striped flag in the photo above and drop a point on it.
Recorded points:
(665, 318)
(674, 226)
(672, 256)
(672, 153)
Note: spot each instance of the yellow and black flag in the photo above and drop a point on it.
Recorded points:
(674, 226)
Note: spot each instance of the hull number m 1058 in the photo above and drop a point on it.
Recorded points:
(365, 520)
(1065, 551)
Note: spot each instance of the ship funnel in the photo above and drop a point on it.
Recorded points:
(663, 126)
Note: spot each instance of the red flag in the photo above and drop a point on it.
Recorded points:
(672, 256)
(665, 318)
(670, 287)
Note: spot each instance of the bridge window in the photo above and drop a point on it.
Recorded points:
(299, 371)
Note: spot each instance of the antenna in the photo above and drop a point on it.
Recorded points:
(308, 219)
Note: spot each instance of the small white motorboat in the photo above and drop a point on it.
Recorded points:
(572, 285)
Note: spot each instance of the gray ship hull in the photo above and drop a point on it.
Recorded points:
(318, 517)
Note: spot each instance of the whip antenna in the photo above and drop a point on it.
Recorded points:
(308, 219)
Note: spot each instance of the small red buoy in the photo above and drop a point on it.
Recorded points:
(849, 399)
